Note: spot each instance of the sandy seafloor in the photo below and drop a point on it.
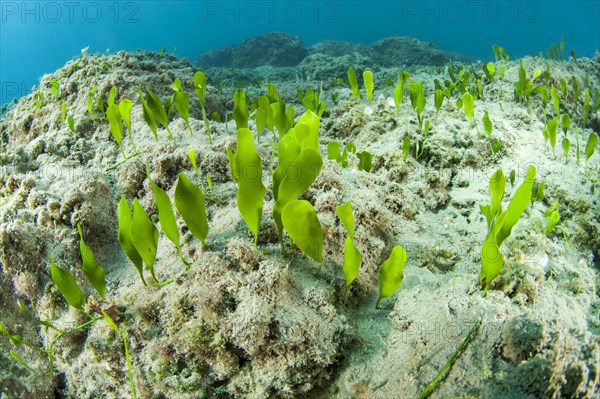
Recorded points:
(246, 322)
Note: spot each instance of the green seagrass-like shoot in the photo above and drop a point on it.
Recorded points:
(302, 224)
(144, 236)
(500, 223)
(246, 167)
(399, 90)
(155, 105)
(352, 256)
(353, 82)
(240, 109)
(391, 273)
(181, 100)
(125, 110)
(92, 270)
(125, 218)
(369, 85)
(200, 88)
(67, 286)
(189, 201)
(116, 125)
(166, 217)
(299, 166)
(590, 147)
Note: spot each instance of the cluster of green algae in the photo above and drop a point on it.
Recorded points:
(298, 209)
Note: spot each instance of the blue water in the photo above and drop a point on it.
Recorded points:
(37, 37)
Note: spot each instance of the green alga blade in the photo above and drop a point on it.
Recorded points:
(287, 150)
(353, 82)
(232, 164)
(63, 113)
(189, 201)
(67, 286)
(166, 217)
(334, 151)
(391, 273)
(555, 100)
(497, 187)
(517, 205)
(112, 95)
(148, 114)
(272, 92)
(491, 257)
(124, 217)
(365, 160)
(280, 118)
(553, 220)
(261, 119)
(307, 166)
(116, 123)
(566, 146)
(302, 224)
(181, 101)
(92, 270)
(270, 115)
(590, 147)
(251, 191)
(144, 235)
(125, 110)
(399, 92)
(192, 157)
(262, 113)
(369, 86)
(240, 109)
(71, 123)
(20, 360)
(55, 87)
(296, 179)
(307, 131)
(290, 115)
(438, 99)
(552, 129)
(200, 85)
(176, 86)
(158, 110)
(565, 123)
(352, 259)
(345, 214)
(111, 323)
(487, 123)
(487, 212)
(406, 146)
(469, 105)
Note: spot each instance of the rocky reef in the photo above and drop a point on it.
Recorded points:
(254, 58)
(269, 49)
(248, 321)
